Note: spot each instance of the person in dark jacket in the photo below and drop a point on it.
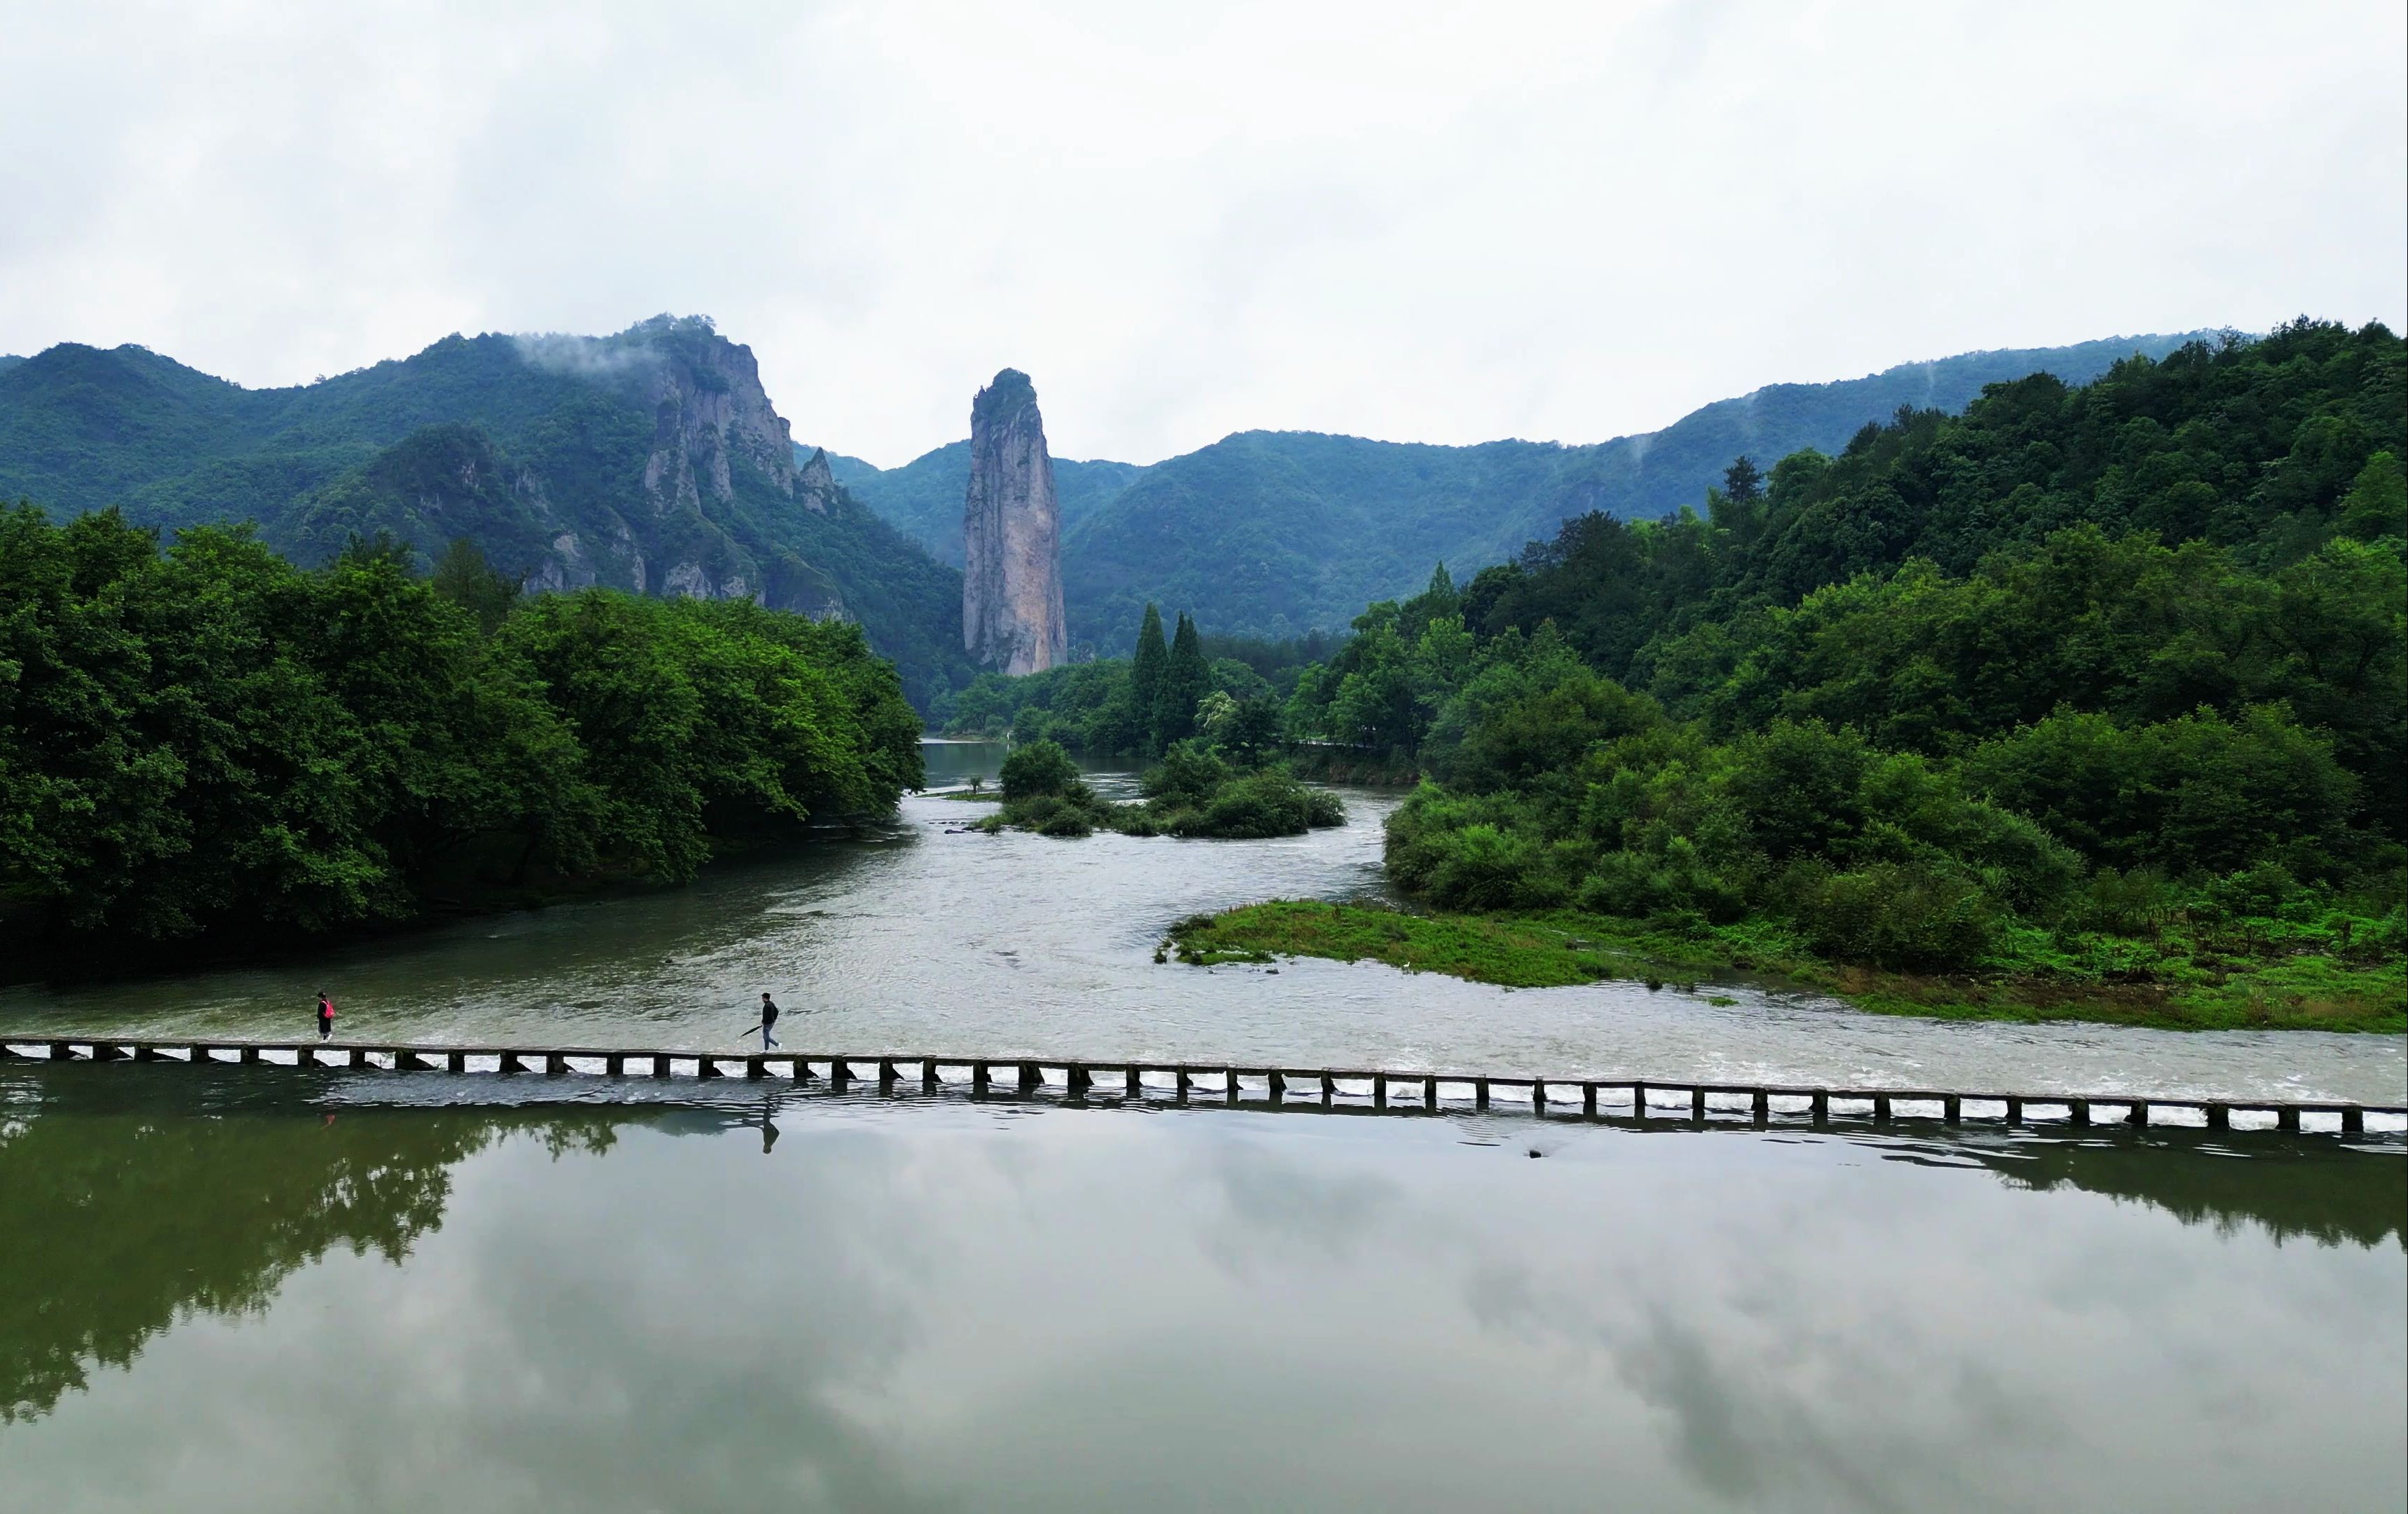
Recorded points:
(325, 1018)
(769, 1018)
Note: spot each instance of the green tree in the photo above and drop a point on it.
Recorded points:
(1147, 667)
(464, 577)
(1186, 678)
(1039, 769)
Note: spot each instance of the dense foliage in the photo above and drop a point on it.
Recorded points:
(2100, 680)
(1169, 690)
(211, 739)
(1198, 790)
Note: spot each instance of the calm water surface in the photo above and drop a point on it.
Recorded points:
(920, 938)
(247, 1289)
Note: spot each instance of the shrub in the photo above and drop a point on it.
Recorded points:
(1188, 772)
(1894, 916)
(1260, 805)
(1041, 767)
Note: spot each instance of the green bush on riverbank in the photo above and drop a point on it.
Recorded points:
(212, 741)
(1195, 793)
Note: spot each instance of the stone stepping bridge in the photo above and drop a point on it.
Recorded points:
(1254, 1084)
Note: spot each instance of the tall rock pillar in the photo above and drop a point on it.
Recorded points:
(1011, 534)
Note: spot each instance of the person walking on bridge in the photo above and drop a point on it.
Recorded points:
(325, 1018)
(769, 1018)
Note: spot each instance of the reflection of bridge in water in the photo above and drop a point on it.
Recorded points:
(1258, 1084)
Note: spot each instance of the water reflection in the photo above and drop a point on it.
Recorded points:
(211, 1297)
(127, 1205)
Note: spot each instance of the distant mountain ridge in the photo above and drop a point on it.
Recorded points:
(1276, 533)
(651, 460)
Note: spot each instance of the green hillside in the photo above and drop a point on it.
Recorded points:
(1278, 533)
(649, 460)
(2091, 700)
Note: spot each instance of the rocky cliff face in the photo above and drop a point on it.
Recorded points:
(719, 453)
(707, 408)
(1012, 528)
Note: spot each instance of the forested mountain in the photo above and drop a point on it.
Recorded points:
(2088, 682)
(1269, 533)
(651, 461)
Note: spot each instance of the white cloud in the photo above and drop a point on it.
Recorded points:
(1426, 221)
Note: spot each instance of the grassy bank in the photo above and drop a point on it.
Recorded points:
(2303, 991)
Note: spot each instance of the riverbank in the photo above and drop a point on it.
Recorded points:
(1566, 947)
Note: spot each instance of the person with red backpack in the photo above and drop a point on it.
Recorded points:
(325, 1018)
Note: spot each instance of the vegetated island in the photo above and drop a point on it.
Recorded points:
(2088, 704)
(1195, 791)
(2192, 987)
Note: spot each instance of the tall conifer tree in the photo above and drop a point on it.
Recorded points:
(1184, 683)
(1145, 674)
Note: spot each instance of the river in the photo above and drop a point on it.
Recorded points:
(260, 1288)
(255, 1290)
(916, 937)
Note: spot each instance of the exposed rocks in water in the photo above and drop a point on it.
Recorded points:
(1011, 573)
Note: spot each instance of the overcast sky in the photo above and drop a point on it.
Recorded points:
(1419, 223)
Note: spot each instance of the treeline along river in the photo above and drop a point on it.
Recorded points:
(914, 939)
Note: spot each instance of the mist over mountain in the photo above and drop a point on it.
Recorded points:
(651, 460)
(1275, 533)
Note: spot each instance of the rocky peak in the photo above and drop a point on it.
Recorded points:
(709, 413)
(816, 484)
(1012, 570)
